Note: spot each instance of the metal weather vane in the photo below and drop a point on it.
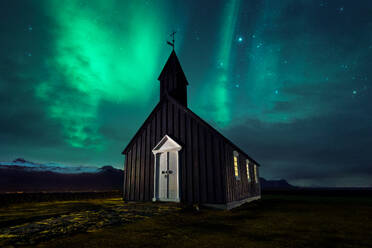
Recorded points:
(172, 43)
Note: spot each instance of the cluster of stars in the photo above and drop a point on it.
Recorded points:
(360, 90)
(240, 39)
(29, 29)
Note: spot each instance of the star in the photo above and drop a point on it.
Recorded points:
(240, 39)
(354, 92)
(29, 28)
(276, 92)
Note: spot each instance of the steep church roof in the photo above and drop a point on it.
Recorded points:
(172, 68)
(193, 115)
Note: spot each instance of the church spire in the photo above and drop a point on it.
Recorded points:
(173, 81)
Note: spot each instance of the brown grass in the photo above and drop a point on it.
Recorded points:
(275, 221)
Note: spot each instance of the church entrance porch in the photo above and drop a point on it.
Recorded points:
(166, 170)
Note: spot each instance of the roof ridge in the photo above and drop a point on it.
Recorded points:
(171, 99)
(210, 126)
(140, 128)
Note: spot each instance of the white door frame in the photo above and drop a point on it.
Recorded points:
(166, 144)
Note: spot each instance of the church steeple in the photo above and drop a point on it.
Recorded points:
(173, 81)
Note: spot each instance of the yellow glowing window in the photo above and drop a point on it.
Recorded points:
(255, 174)
(236, 165)
(247, 167)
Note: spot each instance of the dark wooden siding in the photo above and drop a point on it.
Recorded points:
(209, 166)
(202, 166)
(206, 162)
(239, 189)
(183, 156)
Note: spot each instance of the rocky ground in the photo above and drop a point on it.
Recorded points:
(28, 224)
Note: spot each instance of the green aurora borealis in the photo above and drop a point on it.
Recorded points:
(288, 81)
(100, 63)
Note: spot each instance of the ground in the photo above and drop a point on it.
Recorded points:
(274, 221)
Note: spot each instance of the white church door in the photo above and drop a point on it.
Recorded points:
(166, 170)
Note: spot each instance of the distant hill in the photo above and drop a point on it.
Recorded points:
(25, 176)
(54, 167)
(275, 184)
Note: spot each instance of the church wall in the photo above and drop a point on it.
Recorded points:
(206, 160)
(201, 164)
(237, 190)
(139, 167)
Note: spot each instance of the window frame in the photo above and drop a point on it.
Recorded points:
(237, 167)
(255, 173)
(248, 171)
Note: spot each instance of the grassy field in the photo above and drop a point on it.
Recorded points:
(274, 221)
(31, 223)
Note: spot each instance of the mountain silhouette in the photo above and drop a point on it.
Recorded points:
(21, 175)
(275, 184)
(24, 176)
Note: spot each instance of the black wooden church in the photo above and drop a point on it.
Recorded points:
(176, 156)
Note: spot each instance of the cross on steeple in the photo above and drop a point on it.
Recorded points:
(172, 43)
(172, 79)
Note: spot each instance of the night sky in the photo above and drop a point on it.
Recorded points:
(288, 81)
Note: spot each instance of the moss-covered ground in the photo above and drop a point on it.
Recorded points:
(274, 221)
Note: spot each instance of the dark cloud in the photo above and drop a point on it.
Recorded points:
(282, 106)
(330, 146)
(22, 116)
(23, 120)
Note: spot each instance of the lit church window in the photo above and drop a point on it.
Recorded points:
(236, 165)
(255, 174)
(247, 167)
